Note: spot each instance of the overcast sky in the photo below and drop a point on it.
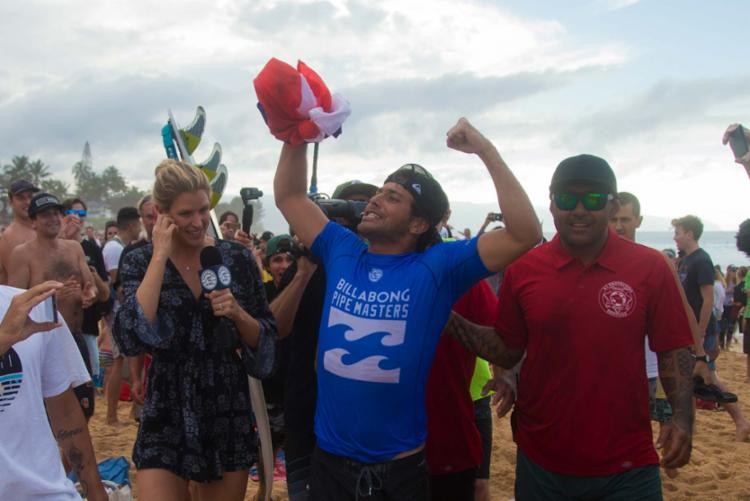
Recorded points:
(649, 85)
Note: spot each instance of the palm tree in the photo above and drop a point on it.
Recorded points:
(38, 172)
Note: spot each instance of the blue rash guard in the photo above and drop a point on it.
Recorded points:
(382, 317)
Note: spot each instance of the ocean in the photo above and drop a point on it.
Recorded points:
(720, 245)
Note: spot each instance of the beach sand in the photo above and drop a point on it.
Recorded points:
(719, 467)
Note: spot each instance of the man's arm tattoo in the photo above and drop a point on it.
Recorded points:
(676, 375)
(482, 340)
(66, 438)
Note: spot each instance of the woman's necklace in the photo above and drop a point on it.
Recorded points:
(186, 267)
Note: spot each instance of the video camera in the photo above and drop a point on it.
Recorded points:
(349, 210)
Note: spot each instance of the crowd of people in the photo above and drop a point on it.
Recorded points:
(385, 340)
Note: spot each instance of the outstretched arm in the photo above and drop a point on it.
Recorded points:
(483, 341)
(290, 194)
(522, 230)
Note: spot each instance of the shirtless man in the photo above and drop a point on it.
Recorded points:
(47, 257)
(20, 230)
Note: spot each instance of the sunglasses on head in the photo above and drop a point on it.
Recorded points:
(416, 168)
(591, 200)
(76, 212)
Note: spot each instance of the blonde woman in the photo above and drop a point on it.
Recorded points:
(196, 418)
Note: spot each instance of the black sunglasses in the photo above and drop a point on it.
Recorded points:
(591, 200)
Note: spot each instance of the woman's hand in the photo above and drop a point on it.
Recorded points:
(162, 236)
(224, 304)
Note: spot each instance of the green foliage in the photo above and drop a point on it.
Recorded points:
(20, 167)
(109, 189)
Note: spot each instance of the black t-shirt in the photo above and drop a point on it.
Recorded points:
(273, 386)
(301, 389)
(93, 313)
(128, 248)
(696, 269)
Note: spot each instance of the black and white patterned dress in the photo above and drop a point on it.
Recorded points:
(196, 420)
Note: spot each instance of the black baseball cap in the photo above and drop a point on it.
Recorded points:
(587, 169)
(429, 197)
(43, 201)
(354, 187)
(21, 185)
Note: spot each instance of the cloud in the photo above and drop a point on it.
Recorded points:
(668, 105)
(620, 4)
(107, 72)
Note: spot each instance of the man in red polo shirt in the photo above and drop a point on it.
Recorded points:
(580, 306)
(454, 445)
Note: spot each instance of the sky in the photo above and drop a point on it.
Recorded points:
(649, 85)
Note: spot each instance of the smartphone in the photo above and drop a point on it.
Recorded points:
(495, 216)
(49, 310)
(738, 142)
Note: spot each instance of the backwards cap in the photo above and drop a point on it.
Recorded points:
(429, 197)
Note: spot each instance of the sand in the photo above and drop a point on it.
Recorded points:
(719, 467)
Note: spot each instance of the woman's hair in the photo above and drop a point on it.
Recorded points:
(143, 201)
(174, 178)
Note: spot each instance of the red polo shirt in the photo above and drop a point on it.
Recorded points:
(453, 441)
(582, 404)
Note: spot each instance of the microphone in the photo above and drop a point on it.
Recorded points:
(214, 275)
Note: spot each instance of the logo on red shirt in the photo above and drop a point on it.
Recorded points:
(617, 299)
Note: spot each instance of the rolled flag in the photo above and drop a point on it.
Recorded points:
(297, 105)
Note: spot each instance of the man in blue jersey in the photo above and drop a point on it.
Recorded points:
(384, 309)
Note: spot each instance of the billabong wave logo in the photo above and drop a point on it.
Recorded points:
(369, 368)
(375, 274)
(417, 187)
(11, 377)
(617, 299)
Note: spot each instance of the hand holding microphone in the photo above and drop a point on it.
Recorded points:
(223, 303)
(216, 280)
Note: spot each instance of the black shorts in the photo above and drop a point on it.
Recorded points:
(341, 479)
(746, 338)
(85, 392)
(483, 419)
